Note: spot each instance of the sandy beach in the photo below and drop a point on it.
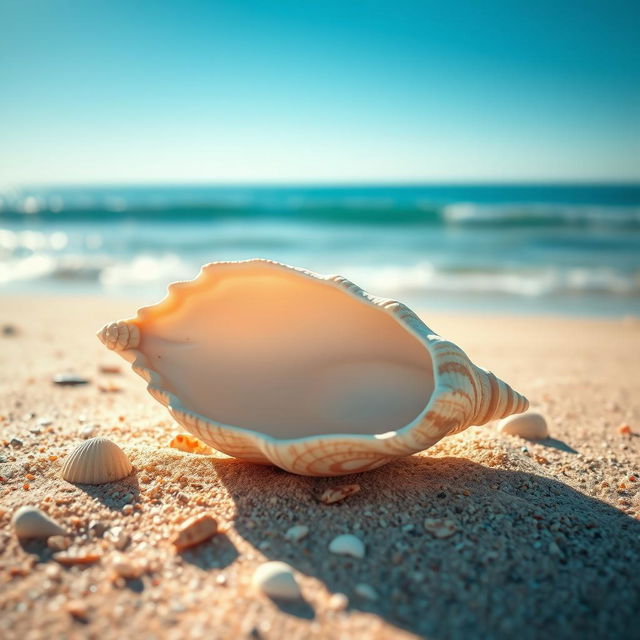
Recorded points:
(546, 541)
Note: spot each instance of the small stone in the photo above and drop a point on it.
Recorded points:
(336, 494)
(97, 528)
(77, 609)
(119, 538)
(276, 580)
(9, 330)
(338, 602)
(127, 510)
(88, 431)
(76, 558)
(440, 528)
(366, 591)
(347, 545)
(45, 422)
(69, 380)
(194, 531)
(624, 430)
(221, 579)
(297, 533)
(529, 425)
(109, 368)
(30, 522)
(16, 442)
(125, 568)
(59, 543)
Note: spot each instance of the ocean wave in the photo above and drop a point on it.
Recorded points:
(153, 272)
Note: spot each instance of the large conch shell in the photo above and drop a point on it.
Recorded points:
(274, 364)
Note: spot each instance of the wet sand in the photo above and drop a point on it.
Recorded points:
(546, 540)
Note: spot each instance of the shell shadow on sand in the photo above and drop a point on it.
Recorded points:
(529, 554)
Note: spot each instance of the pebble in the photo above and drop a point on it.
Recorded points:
(336, 494)
(194, 531)
(59, 543)
(9, 330)
(347, 545)
(125, 568)
(97, 528)
(16, 442)
(338, 602)
(440, 528)
(119, 537)
(276, 580)
(297, 533)
(29, 522)
(77, 609)
(88, 431)
(109, 368)
(69, 379)
(530, 425)
(45, 422)
(366, 591)
(76, 558)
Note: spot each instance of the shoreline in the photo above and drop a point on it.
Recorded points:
(545, 535)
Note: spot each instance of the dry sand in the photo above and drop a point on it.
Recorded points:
(547, 540)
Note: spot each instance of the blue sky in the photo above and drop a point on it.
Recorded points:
(327, 91)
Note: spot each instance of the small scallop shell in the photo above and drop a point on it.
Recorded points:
(96, 461)
(530, 425)
(30, 522)
(276, 580)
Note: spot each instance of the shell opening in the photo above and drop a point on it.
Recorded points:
(287, 355)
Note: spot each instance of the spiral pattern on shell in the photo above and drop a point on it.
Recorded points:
(120, 335)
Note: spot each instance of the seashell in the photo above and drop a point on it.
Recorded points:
(189, 444)
(277, 580)
(440, 528)
(347, 545)
(297, 532)
(194, 531)
(530, 425)
(96, 461)
(274, 364)
(336, 494)
(30, 522)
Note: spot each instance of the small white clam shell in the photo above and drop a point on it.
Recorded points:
(530, 425)
(276, 580)
(347, 545)
(96, 461)
(30, 522)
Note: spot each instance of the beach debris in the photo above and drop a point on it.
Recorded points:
(119, 537)
(124, 567)
(74, 558)
(365, 591)
(76, 609)
(59, 543)
(336, 494)
(194, 531)
(297, 532)
(530, 425)
(96, 461)
(45, 422)
(109, 368)
(9, 330)
(440, 528)
(16, 442)
(69, 380)
(625, 430)
(189, 444)
(347, 545)
(276, 580)
(109, 387)
(88, 431)
(29, 522)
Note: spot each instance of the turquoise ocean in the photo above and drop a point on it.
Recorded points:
(568, 249)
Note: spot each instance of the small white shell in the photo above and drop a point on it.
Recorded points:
(96, 461)
(30, 522)
(296, 533)
(530, 425)
(276, 580)
(347, 545)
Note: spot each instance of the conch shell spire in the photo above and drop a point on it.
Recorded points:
(120, 336)
(495, 398)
